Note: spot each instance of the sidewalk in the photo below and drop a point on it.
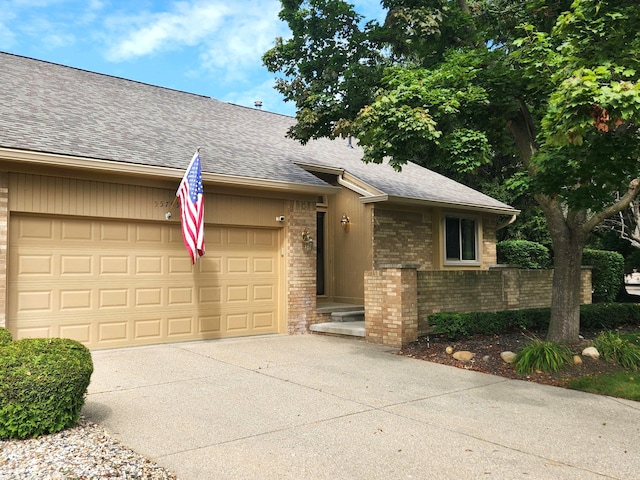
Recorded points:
(315, 407)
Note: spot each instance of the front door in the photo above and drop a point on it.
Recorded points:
(320, 254)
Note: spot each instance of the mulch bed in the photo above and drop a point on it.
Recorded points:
(487, 349)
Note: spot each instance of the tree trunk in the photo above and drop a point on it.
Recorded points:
(569, 231)
(569, 237)
(566, 295)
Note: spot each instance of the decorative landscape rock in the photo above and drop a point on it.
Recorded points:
(591, 352)
(508, 357)
(449, 350)
(577, 360)
(463, 356)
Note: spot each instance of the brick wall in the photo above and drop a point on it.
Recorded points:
(405, 237)
(489, 290)
(402, 238)
(4, 229)
(301, 267)
(391, 306)
(489, 255)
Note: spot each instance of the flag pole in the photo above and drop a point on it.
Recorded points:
(167, 215)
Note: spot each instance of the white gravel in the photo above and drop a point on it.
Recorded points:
(85, 452)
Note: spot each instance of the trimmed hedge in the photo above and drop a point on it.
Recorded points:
(43, 382)
(592, 317)
(524, 254)
(607, 274)
(5, 336)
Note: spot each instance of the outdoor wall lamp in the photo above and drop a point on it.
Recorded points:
(307, 241)
(345, 221)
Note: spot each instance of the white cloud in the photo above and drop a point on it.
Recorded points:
(187, 24)
(228, 36)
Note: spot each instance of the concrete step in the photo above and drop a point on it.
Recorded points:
(330, 307)
(348, 316)
(354, 329)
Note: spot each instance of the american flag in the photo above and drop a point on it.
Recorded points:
(191, 198)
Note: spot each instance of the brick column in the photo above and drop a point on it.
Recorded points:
(391, 305)
(301, 267)
(586, 280)
(4, 240)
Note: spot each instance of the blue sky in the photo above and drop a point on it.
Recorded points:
(211, 48)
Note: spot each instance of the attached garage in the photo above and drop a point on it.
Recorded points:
(110, 283)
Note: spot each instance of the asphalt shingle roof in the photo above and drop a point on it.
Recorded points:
(45, 107)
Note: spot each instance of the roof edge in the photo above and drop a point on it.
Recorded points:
(507, 210)
(124, 168)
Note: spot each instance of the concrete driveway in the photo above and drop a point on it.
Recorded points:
(316, 407)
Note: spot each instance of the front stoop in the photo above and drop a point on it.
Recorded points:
(345, 320)
(353, 329)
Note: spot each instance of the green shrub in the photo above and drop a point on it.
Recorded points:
(599, 316)
(42, 385)
(524, 254)
(5, 336)
(615, 349)
(607, 274)
(608, 316)
(542, 355)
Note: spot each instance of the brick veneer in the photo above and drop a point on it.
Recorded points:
(301, 267)
(398, 300)
(489, 290)
(391, 307)
(402, 238)
(4, 239)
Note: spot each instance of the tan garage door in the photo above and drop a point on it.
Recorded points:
(117, 283)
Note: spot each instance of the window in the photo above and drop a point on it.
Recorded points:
(461, 239)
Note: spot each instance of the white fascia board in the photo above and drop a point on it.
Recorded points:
(438, 203)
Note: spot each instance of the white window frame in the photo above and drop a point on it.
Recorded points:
(478, 236)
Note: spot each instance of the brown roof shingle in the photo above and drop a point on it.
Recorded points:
(45, 107)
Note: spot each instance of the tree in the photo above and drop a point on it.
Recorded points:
(547, 90)
(626, 224)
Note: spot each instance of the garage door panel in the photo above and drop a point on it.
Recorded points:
(35, 265)
(34, 228)
(79, 332)
(75, 300)
(113, 298)
(112, 332)
(237, 265)
(263, 320)
(210, 263)
(114, 265)
(238, 238)
(264, 293)
(148, 265)
(181, 264)
(146, 329)
(76, 265)
(115, 283)
(40, 301)
(149, 233)
(210, 294)
(209, 324)
(76, 230)
(114, 232)
(263, 265)
(180, 326)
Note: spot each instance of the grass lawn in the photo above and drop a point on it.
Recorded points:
(620, 384)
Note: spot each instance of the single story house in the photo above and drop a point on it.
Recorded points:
(89, 167)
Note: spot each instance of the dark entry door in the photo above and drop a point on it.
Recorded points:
(320, 251)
